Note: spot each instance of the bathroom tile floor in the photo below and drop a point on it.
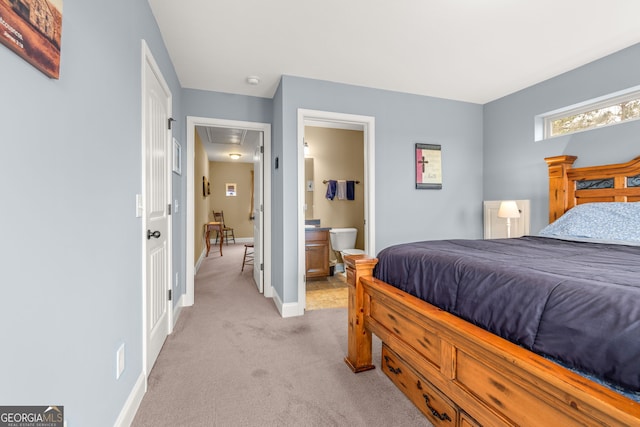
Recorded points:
(327, 292)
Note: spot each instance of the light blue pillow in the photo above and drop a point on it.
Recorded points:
(611, 221)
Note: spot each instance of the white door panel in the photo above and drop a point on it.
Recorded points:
(258, 217)
(157, 104)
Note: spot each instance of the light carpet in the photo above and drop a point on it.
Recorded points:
(233, 361)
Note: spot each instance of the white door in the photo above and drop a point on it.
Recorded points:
(157, 187)
(258, 217)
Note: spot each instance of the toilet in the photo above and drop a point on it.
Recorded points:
(343, 241)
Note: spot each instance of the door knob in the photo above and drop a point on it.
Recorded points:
(151, 234)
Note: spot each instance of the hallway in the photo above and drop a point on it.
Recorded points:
(233, 361)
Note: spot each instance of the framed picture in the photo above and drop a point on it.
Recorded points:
(230, 189)
(33, 30)
(206, 189)
(428, 164)
(177, 157)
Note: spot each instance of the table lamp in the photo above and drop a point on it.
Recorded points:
(508, 209)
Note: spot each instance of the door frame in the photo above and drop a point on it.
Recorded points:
(341, 121)
(258, 255)
(265, 128)
(147, 58)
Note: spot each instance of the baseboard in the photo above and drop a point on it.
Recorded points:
(177, 310)
(288, 309)
(203, 254)
(237, 240)
(244, 240)
(132, 404)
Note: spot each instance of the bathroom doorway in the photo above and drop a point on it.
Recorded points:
(332, 147)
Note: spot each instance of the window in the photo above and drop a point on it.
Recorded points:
(609, 110)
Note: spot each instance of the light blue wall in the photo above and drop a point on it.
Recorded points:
(70, 243)
(226, 106)
(514, 166)
(277, 199)
(402, 213)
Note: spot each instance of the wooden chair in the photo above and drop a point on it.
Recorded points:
(228, 231)
(248, 255)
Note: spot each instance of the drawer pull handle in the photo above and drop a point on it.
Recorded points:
(441, 417)
(391, 368)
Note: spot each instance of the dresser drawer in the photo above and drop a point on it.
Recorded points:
(439, 410)
(411, 331)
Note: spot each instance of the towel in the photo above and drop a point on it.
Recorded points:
(351, 190)
(331, 189)
(342, 189)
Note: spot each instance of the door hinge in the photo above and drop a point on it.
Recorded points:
(169, 120)
(261, 208)
(261, 266)
(169, 294)
(169, 209)
(262, 149)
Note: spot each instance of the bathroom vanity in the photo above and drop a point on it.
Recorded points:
(316, 247)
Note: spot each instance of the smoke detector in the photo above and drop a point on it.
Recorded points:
(253, 80)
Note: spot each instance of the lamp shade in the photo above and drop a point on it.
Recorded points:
(508, 209)
(235, 156)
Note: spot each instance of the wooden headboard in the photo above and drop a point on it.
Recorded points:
(569, 186)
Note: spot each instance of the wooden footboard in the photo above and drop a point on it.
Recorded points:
(460, 375)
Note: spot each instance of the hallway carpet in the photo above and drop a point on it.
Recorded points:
(233, 361)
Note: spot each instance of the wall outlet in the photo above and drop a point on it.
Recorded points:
(120, 361)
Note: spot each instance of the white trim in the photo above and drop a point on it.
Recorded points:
(177, 309)
(333, 125)
(128, 412)
(289, 309)
(339, 121)
(238, 241)
(278, 302)
(192, 122)
(203, 255)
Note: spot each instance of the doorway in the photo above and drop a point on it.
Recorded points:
(262, 221)
(366, 124)
(334, 160)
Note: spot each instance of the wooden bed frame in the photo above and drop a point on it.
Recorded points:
(460, 375)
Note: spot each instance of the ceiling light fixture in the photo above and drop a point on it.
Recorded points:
(235, 156)
(253, 80)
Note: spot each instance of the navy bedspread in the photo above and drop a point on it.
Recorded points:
(574, 301)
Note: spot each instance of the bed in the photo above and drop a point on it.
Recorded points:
(458, 373)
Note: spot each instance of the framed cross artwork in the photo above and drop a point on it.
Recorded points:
(428, 164)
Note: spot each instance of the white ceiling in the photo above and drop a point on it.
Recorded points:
(468, 50)
(220, 142)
